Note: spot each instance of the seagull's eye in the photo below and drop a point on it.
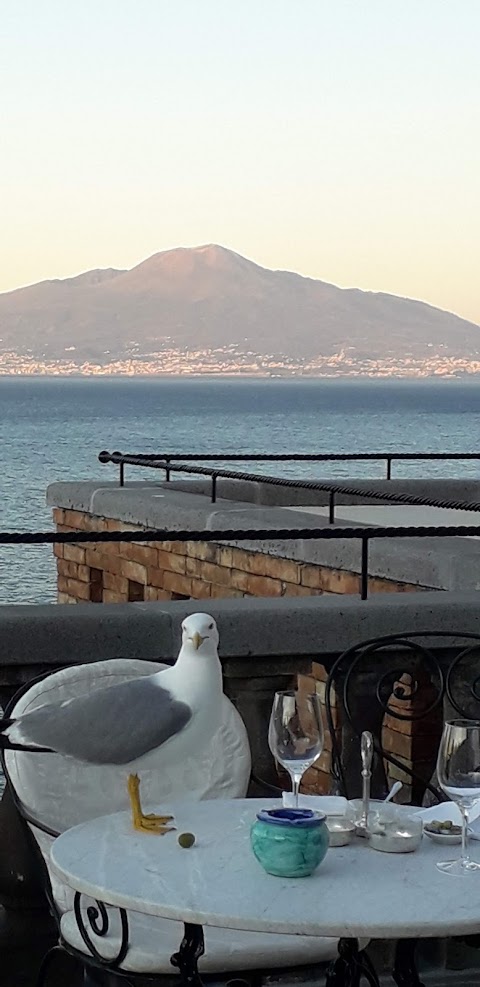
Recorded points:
(210, 627)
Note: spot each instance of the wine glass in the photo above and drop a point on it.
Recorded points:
(458, 771)
(295, 733)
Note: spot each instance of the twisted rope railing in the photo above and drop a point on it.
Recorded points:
(333, 488)
(364, 535)
(236, 534)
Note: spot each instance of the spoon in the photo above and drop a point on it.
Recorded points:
(394, 791)
(366, 750)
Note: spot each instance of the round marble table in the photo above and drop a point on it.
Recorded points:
(356, 892)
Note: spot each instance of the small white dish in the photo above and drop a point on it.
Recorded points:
(445, 838)
(447, 812)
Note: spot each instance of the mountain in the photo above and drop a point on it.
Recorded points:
(209, 298)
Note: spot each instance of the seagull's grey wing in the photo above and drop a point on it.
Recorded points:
(110, 726)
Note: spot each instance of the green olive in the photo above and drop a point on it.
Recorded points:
(443, 827)
(186, 840)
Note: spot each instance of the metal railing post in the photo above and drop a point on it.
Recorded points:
(167, 469)
(122, 474)
(214, 488)
(389, 467)
(331, 508)
(364, 569)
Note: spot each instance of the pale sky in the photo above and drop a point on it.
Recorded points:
(336, 138)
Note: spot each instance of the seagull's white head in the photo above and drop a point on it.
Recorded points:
(199, 631)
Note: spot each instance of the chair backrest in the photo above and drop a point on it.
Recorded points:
(400, 688)
(60, 792)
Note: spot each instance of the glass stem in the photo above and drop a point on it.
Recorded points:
(464, 855)
(296, 779)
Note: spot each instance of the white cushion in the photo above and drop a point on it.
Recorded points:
(61, 792)
(153, 941)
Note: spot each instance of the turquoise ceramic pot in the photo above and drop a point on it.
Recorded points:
(289, 842)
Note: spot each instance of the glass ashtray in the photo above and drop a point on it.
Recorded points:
(394, 832)
(356, 807)
(356, 810)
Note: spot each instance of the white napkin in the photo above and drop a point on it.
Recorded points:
(331, 805)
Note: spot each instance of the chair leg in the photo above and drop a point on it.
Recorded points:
(103, 978)
(109, 979)
(46, 964)
(87, 979)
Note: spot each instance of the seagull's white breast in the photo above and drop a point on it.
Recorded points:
(196, 680)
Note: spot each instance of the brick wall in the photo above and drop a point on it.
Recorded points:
(317, 780)
(413, 742)
(123, 571)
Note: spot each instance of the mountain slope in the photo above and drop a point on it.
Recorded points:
(210, 297)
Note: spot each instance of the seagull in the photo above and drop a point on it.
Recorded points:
(176, 709)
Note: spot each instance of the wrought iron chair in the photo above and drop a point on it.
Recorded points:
(53, 793)
(400, 688)
(387, 682)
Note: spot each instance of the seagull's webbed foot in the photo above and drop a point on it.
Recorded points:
(145, 822)
(158, 819)
(146, 825)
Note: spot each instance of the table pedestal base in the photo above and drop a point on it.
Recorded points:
(351, 967)
(348, 970)
(192, 947)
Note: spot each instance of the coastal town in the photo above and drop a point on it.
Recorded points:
(231, 361)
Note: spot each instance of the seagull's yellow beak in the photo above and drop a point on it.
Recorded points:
(197, 640)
